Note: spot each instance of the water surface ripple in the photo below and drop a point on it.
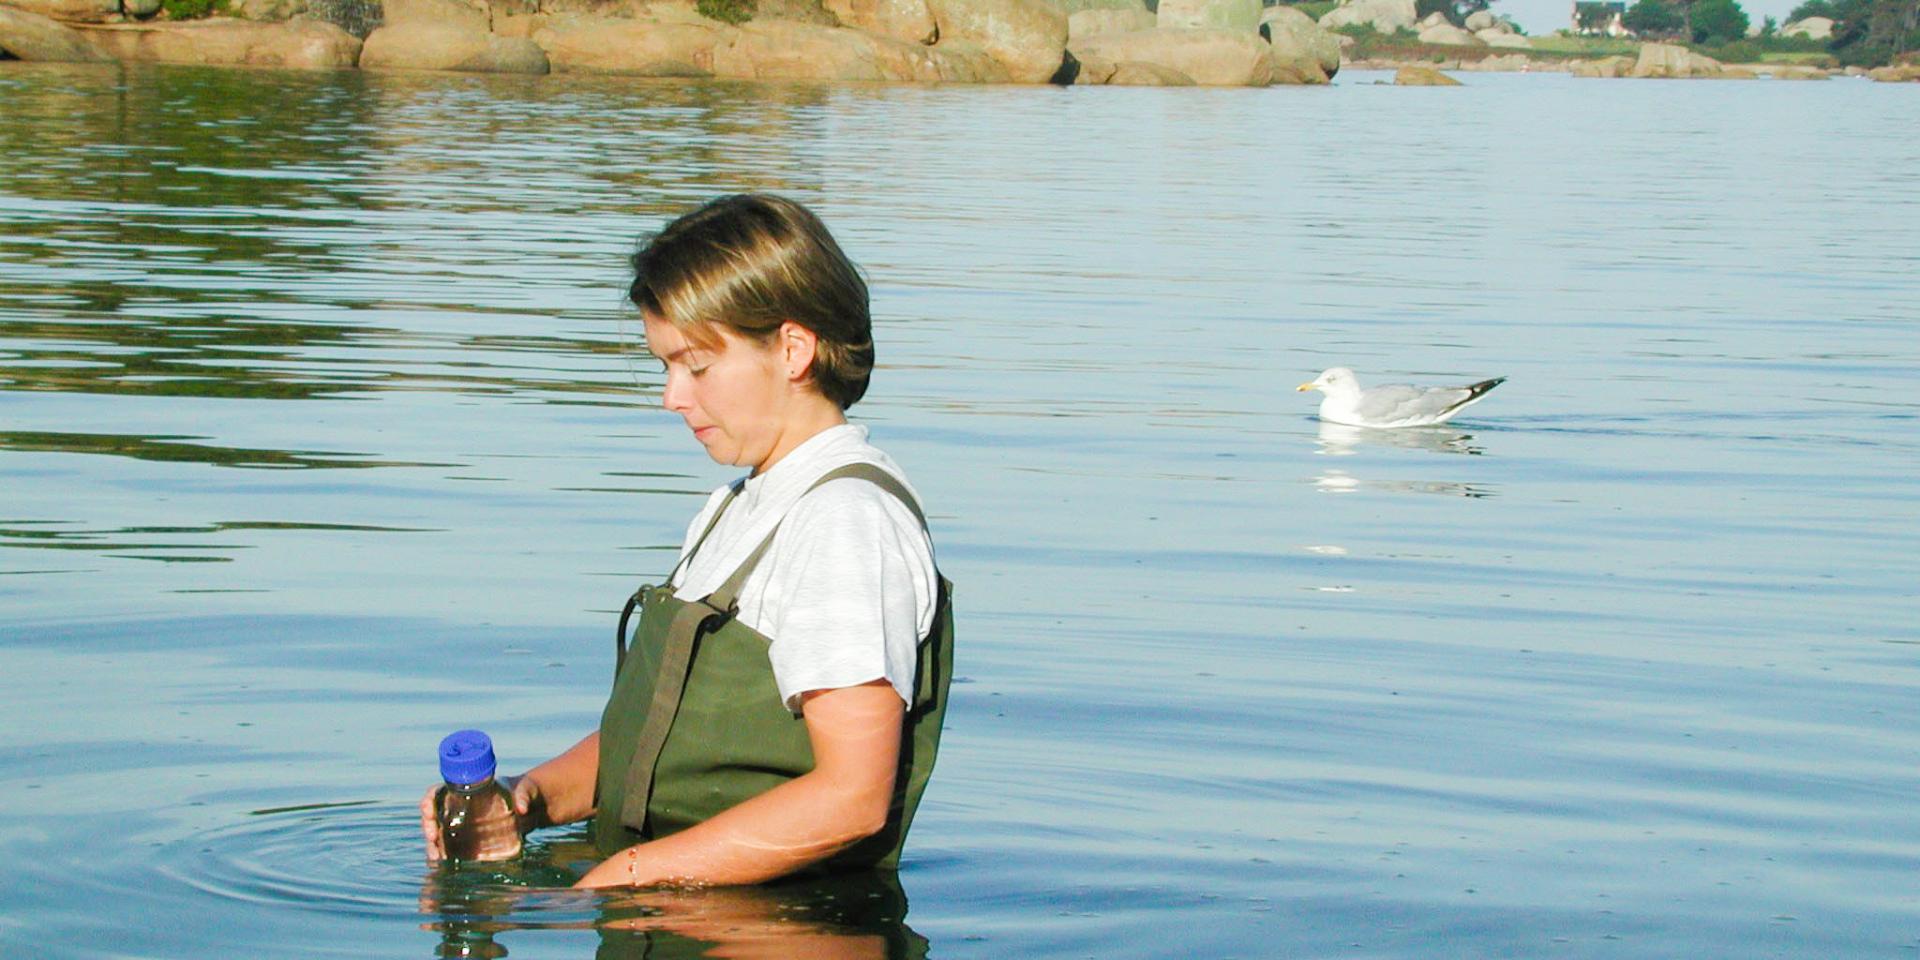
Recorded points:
(323, 431)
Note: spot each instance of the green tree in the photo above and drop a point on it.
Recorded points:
(1717, 22)
(1653, 18)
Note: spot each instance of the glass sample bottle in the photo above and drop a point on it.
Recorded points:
(477, 821)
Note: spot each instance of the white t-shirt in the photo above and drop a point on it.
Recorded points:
(846, 591)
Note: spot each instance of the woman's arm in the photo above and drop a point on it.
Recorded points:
(855, 733)
(560, 790)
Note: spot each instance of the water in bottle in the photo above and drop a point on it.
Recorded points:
(477, 821)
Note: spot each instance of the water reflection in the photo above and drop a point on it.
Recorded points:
(1340, 440)
(1340, 481)
(480, 912)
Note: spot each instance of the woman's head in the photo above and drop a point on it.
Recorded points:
(749, 263)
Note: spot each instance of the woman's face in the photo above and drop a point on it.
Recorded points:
(735, 396)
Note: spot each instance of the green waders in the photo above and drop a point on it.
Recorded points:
(696, 725)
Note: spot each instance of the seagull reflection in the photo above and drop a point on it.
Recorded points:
(1340, 481)
(1340, 440)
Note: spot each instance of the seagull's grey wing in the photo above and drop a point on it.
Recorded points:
(1394, 402)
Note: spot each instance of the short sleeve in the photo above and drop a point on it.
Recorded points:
(849, 592)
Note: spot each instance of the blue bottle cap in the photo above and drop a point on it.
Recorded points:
(466, 757)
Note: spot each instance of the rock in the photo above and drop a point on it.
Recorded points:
(1028, 37)
(815, 12)
(1738, 73)
(1210, 15)
(1794, 72)
(1423, 77)
(1295, 36)
(1855, 71)
(1897, 73)
(1813, 28)
(1071, 7)
(1603, 67)
(428, 46)
(641, 48)
(140, 9)
(908, 20)
(963, 61)
(30, 36)
(1448, 35)
(1385, 16)
(520, 24)
(1481, 20)
(1092, 23)
(266, 10)
(440, 13)
(1505, 41)
(1147, 75)
(69, 11)
(783, 50)
(1664, 60)
(1212, 58)
(1431, 20)
(1508, 63)
(299, 44)
(1091, 72)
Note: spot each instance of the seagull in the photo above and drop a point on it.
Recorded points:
(1392, 405)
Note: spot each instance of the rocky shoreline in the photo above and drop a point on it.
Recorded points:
(1119, 42)
(1111, 42)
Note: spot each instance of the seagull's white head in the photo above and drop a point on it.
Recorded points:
(1335, 382)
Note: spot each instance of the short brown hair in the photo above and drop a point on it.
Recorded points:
(750, 262)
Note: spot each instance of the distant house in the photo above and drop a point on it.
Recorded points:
(1600, 19)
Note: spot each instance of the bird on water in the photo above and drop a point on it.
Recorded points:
(1393, 404)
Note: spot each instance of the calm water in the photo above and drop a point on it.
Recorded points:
(321, 434)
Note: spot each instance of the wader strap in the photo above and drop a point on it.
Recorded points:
(728, 596)
(640, 596)
(677, 656)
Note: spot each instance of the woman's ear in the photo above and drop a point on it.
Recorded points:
(798, 346)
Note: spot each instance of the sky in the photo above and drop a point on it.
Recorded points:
(1546, 16)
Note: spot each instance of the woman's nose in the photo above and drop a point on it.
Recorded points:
(673, 396)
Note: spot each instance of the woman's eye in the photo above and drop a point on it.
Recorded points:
(696, 371)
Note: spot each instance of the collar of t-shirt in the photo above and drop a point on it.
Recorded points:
(764, 501)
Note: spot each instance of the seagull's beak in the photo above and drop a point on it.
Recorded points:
(1305, 387)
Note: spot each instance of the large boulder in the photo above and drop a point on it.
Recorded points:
(1603, 67)
(300, 44)
(70, 11)
(781, 50)
(1665, 60)
(269, 10)
(1897, 73)
(1813, 28)
(1028, 37)
(1503, 63)
(443, 13)
(30, 36)
(1212, 58)
(1296, 37)
(1385, 16)
(1447, 35)
(1147, 75)
(1482, 20)
(641, 48)
(1504, 40)
(1241, 15)
(908, 20)
(1423, 77)
(428, 46)
(1092, 23)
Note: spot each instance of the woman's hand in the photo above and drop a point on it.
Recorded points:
(526, 812)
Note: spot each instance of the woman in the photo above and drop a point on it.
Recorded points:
(781, 704)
